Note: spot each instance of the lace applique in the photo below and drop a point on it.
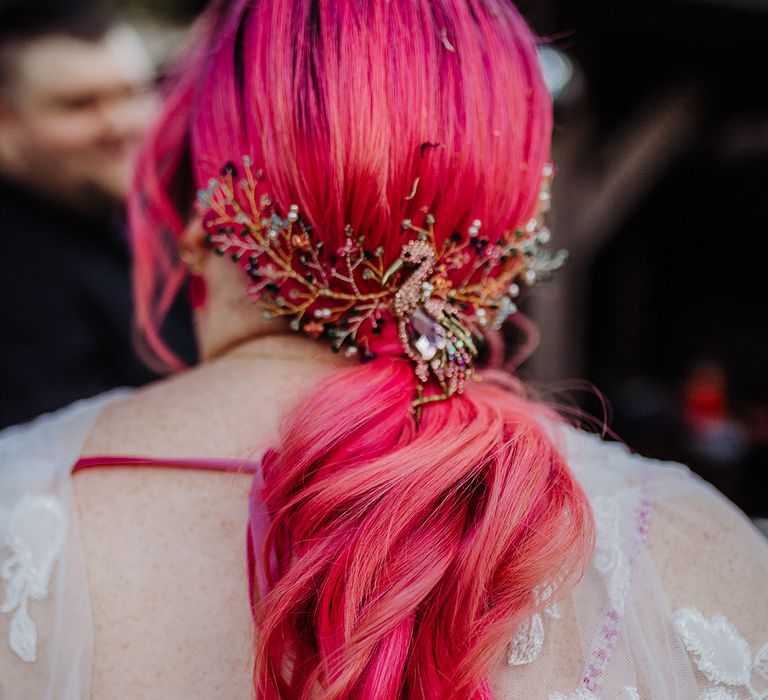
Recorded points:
(528, 642)
(580, 694)
(628, 692)
(33, 530)
(721, 654)
(610, 559)
(718, 693)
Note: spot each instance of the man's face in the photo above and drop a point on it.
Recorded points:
(74, 114)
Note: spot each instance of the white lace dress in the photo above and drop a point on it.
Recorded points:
(674, 604)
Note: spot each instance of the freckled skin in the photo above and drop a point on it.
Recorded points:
(165, 548)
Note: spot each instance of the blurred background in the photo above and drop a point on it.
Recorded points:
(661, 143)
(662, 147)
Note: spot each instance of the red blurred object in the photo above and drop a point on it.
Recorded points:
(705, 395)
(197, 291)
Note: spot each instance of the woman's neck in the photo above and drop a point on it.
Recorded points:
(278, 346)
(230, 326)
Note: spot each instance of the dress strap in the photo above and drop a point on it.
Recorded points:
(223, 465)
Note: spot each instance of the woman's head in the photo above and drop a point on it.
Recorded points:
(362, 113)
(402, 553)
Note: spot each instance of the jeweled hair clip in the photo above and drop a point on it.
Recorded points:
(441, 297)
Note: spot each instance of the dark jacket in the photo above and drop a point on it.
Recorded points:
(65, 308)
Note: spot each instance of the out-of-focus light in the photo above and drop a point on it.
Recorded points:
(558, 70)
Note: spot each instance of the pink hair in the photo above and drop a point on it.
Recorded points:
(401, 557)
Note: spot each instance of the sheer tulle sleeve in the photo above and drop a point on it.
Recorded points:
(712, 574)
(46, 632)
(674, 604)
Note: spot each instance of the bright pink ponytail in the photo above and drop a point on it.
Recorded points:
(406, 554)
(401, 557)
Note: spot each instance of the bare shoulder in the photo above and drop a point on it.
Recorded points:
(210, 411)
(220, 409)
(165, 548)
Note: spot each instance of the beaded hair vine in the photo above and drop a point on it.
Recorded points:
(348, 295)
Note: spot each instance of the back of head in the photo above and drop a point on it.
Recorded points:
(403, 553)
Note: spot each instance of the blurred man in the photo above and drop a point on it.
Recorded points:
(75, 98)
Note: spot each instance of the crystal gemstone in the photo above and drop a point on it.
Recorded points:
(427, 336)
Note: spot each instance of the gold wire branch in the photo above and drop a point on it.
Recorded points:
(347, 295)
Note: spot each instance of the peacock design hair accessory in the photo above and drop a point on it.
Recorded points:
(441, 298)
